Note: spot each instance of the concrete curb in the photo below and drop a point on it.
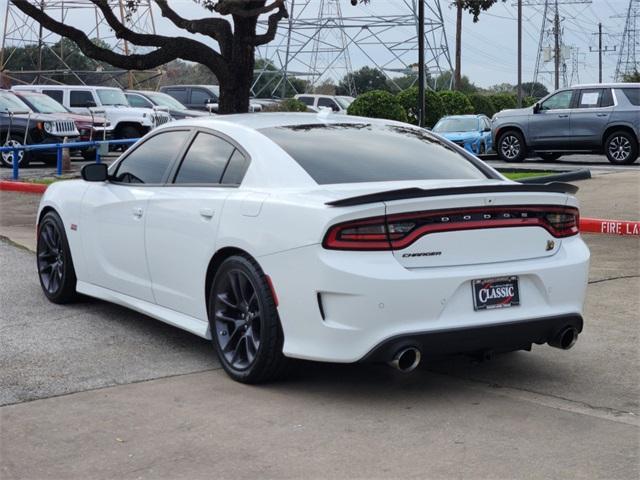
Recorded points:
(24, 187)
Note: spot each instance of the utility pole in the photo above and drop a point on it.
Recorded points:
(519, 53)
(421, 62)
(600, 51)
(556, 48)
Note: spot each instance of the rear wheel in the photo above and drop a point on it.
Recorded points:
(7, 157)
(621, 148)
(245, 327)
(55, 266)
(511, 147)
(549, 156)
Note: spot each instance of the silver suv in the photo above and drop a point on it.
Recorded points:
(600, 118)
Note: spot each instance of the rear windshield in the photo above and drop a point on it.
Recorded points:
(633, 94)
(354, 153)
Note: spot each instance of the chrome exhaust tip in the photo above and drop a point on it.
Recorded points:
(406, 360)
(565, 338)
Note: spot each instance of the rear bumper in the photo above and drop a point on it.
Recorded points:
(498, 338)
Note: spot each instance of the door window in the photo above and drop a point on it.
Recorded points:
(327, 102)
(199, 96)
(80, 98)
(559, 101)
(55, 94)
(206, 160)
(179, 94)
(150, 161)
(308, 101)
(138, 101)
(590, 98)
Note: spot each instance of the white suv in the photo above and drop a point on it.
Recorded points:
(124, 121)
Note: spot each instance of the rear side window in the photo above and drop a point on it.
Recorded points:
(205, 160)
(179, 94)
(55, 94)
(352, 153)
(150, 161)
(80, 98)
(236, 169)
(633, 95)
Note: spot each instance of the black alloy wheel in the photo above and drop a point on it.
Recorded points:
(245, 327)
(55, 266)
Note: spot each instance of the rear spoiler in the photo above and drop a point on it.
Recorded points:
(405, 193)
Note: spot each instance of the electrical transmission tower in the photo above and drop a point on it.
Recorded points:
(321, 43)
(553, 54)
(26, 41)
(628, 61)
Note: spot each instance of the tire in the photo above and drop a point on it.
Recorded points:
(549, 156)
(245, 327)
(6, 158)
(621, 148)
(89, 154)
(53, 257)
(511, 147)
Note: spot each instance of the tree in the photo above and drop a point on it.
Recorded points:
(433, 106)
(474, 7)
(378, 104)
(455, 103)
(482, 104)
(364, 80)
(232, 64)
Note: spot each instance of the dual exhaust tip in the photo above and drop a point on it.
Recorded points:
(407, 359)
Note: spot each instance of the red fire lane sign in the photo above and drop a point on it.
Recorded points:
(611, 227)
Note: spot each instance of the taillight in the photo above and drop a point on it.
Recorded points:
(398, 231)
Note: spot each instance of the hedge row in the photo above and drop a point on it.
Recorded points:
(402, 107)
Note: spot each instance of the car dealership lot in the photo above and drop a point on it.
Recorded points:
(118, 395)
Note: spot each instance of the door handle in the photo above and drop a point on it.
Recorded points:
(137, 212)
(206, 213)
(563, 116)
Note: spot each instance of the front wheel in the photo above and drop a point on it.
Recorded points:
(511, 147)
(55, 266)
(621, 148)
(7, 157)
(245, 327)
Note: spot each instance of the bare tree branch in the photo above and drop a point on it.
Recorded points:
(216, 28)
(169, 48)
(238, 8)
(272, 28)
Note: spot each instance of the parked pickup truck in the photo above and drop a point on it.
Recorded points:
(124, 121)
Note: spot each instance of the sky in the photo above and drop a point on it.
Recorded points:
(489, 49)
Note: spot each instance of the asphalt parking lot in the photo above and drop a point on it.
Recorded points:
(96, 391)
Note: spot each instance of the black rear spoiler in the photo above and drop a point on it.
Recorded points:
(405, 193)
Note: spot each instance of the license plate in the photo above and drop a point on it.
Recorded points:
(490, 293)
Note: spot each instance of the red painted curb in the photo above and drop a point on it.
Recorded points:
(610, 227)
(22, 187)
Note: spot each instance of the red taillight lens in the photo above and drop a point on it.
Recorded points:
(398, 231)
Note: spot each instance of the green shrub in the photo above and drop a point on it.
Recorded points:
(503, 101)
(482, 104)
(455, 103)
(378, 104)
(433, 106)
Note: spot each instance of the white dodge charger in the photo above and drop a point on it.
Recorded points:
(319, 237)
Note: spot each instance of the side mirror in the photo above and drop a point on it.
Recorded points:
(536, 107)
(94, 172)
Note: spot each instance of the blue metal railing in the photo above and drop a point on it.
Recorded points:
(58, 147)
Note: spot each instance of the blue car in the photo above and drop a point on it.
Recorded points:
(471, 132)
